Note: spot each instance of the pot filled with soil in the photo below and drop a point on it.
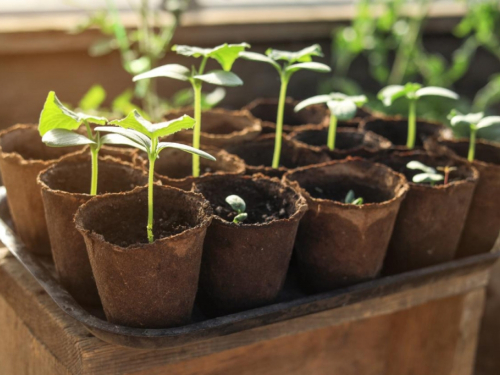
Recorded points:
(340, 243)
(22, 156)
(220, 127)
(395, 129)
(65, 187)
(349, 142)
(245, 261)
(174, 167)
(267, 109)
(258, 155)
(482, 226)
(432, 216)
(141, 283)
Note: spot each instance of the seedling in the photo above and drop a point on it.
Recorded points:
(428, 175)
(412, 92)
(57, 127)
(293, 62)
(350, 198)
(239, 206)
(134, 130)
(446, 170)
(225, 54)
(474, 122)
(342, 107)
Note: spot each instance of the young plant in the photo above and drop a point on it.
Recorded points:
(225, 55)
(292, 62)
(428, 175)
(471, 124)
(446, 170)
(134, 130)
(350, 198)
(57, 127)
(239, 206)
(342, 107)
(412, 92)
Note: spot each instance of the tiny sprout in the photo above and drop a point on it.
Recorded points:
(239, 206)
(292, 62)
(429, 174)
(446, 170)
(350, 198)
(412, 92)
(342, 107)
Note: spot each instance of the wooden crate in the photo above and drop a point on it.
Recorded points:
(426, 330)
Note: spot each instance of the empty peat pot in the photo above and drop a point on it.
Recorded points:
(431, 217)
(65, 187)
(244, 265)
(395, 129)
(340, 244)
(22, 156)
(258, 155)
(267, 110)
(482, 226)
(219, 127)
(141, 284)
(174, 167)
(348, 142)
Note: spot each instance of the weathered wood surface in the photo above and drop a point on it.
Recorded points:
(427, 330)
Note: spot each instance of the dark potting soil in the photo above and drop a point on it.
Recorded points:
(344, 141)
(266, 111)
(337, 191)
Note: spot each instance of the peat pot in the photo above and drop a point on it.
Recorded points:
(141, 284)
(22, 156)
(267, 110)
(174, 167)
(431, 218)
(65, 187)
(341, 244)
(244, 265)
(219, 127)
(482, 226)
(348, 142)
(258, 155)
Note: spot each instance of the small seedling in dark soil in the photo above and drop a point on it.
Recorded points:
(342, 107)
(350, 198)
(412, 92)
(470, 124)
(136, 131)
(225, 55)
(239, 206)
(446, 170)
(292, 62)
(429, 175)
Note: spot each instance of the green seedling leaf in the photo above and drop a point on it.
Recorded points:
(220, 78)
(412, 91)
(174, 71)
(133, 135)
(427, 178)
(191, 51)
(225, 54)
(93, 99)
(358, 201)
(350, 198)
(390, 93)
(341, 106)
(436, 91)
(118, 139)
(416, 165)
(314, 66)
(304, 55)
(342, 110)
(457, 119)
(237, 203)
(253, 56)
(191, 150)
(488, 121)
(65, 138)
(318, 99)
(240, 218)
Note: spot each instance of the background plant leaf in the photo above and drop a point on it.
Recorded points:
(174, 71)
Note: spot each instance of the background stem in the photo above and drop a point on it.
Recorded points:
(279, 123)
(472, 144)
(332, 129)
(197, 127)
(412, 124)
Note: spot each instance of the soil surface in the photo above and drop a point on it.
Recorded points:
(337, 191)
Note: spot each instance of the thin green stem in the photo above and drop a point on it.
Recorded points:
(332, 130)
(472, 143)
(197, 127)
(202, 65)
(279, 122)
(152, 159)
(412, 124)
(94, 152)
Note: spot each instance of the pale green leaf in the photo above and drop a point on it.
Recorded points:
(457, 119)
(226, 54)
(173, 126)
(342, 109)
(133, 135)
(191, 51)
(237, 203)
(489, 121)
(118, 139)
(436, 91)
(427, 177)
(390, 93)
(65, 138)
(134, 121)
(304, 55)
(220, 78)
(174, 71)
(240, 218)
(93, 98)
(318, 99)
(253, 56)
(349, 198)
(179, 146)
(416, 165)
(314, 66)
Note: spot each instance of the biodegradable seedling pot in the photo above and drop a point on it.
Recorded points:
(220, 127)
(349, 142)
(395, 129)
(258, 155)
(244, 265)
(431, 218)
(174, 167)
(141, 284)
(482, 226)
(22, 157)
(340, 244)
(65, 187)
(267, 109)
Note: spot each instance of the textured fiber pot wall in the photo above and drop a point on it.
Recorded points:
(141, 284)
(244, 265)
(341, 244)
(65, 187)
(431, 218)
(22, 157)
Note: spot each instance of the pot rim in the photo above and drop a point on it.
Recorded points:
(478, 142)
